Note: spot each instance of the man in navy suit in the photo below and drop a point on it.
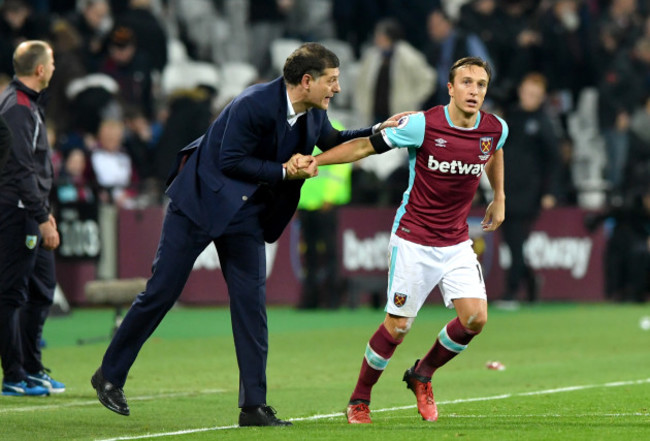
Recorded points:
(237, 186)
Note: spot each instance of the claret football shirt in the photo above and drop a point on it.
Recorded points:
(445, 163)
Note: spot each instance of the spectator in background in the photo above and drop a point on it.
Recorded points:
(485, 19)
(619, 89)
(566, 51)
(267, 20)
(130, 68)
(189, 115)
(393, 75)
(92, 99)
(413, 19)
(354, 20)
(446, 45)
(532, 167)
(625, 20)
(74, 183)
(140, 139)
(149, 33)
(519, 51)
(318, 215)
(18, 23)
(93, 21)
(627, 254)
(67, 44)
(111, 165)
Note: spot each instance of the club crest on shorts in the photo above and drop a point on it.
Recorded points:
(485, 144)
(399, 299)
(30, 241)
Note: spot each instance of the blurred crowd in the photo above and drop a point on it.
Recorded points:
(136, 80)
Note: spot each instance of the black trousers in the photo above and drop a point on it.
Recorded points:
(515, 231)
(27, 283)
(242, 256)
(627, 264)
(321, 285)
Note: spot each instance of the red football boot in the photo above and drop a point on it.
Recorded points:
(358, 413)
(421, 387)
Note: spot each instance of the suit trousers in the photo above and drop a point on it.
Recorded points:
(27, 283)
(242, 255)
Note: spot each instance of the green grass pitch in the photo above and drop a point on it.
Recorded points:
(573, 372)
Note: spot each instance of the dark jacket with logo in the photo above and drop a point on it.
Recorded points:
(26, 179)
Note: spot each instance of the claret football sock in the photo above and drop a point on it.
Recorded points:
(378, 353)
(451, 341)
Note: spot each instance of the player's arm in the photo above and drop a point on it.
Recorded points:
(407, 131)
(495, 213)
(349, 151)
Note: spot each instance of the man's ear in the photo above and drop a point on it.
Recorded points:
(306, 81)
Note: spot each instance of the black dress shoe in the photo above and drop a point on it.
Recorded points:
(260, 416)
(110, 396)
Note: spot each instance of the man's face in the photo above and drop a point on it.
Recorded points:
(122, 55)
(469, 88)
(531, 95)
(321, 90)
(48, 68)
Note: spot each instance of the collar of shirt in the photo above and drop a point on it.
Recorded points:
(292, 116)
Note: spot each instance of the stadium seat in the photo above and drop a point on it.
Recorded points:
(188, 75)
(281, 48)
(235, 77)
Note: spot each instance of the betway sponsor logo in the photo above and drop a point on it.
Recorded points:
(209, 259)
(365, 254)
(455, 167)
(543, 252)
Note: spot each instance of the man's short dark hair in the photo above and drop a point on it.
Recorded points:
(27, 61)
(469, 61)
(310, 58)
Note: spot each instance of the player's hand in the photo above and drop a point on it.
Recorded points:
(303, 161)
(495, 214)
(394, 120)
(49, 233)
(301, 167)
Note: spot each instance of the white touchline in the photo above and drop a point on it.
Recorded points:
(94, 402)
(391, 409)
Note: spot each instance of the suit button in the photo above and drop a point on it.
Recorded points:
(244, 198)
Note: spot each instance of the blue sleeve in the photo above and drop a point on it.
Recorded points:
(504, 132)
(408, 133)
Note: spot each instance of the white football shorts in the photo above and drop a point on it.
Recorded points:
(416, 269)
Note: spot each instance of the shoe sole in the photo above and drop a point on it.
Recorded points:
(18, 394)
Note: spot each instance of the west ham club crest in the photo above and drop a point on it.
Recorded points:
(485, 144)
(399, 299)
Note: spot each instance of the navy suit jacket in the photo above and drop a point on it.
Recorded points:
(242, 150)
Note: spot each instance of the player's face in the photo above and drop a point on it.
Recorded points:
(322, 89)
(469, 88)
